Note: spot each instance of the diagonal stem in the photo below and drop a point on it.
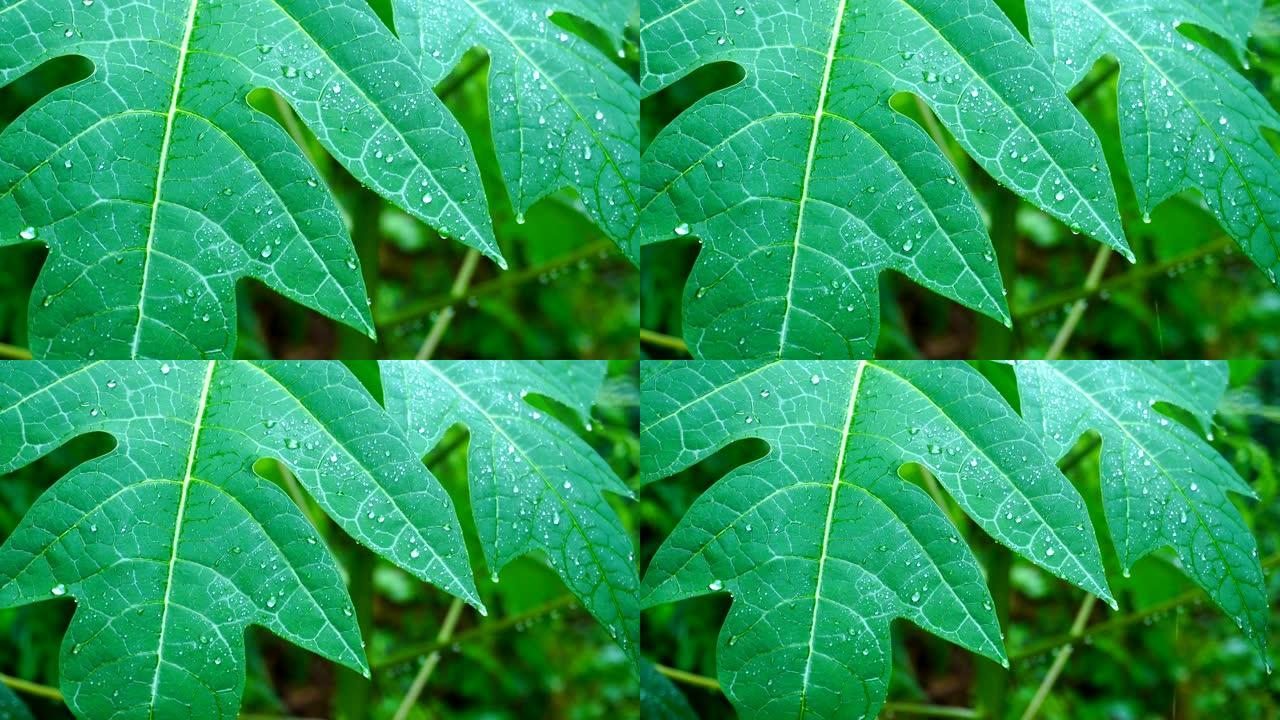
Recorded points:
(1077, 312)
(429, 665)
(657, 339)
(1060, 662)
(13, 352)
(460, 284)
(901, 708)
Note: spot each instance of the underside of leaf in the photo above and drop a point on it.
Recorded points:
(1163, 485)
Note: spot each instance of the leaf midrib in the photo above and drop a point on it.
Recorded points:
(823, 89)
(826, 532)
(183, 51)
(201, 406)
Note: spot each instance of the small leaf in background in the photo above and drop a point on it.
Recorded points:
(12, 708)
(1188, 119)
(660, 699)
(535, 485)
(1163, 485)
(563, 113)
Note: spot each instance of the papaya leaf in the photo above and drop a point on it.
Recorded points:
(564, 114)
(1163, 485)
(157, 187)
(536, 486)
(804, 184)
(822, 543)
(172, 546)
(1188, 120)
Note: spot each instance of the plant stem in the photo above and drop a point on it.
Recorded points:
(1080, 454)
(460, 284)
(410, 652)
(1077, 312)
(1060, 662)
(52, 693)
(459, 78)
(991, 681)
(294, 128)
(1132, 277)
(353, 691)
(663, 341)
(30, 688)
(508, 280)
(904, 708)
(1178, 601)
(13, 352)
(429, 665)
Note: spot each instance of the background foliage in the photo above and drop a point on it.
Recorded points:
(1191, 293)
(1168, 652)
(570, 292)
(537, 655)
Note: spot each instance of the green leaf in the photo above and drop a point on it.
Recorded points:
(157, 187)
(11, 708)
(1163, 485)
(660, 699)
(1188, 120)
(564, 114)
(804, 184)
(172, 546)
(822, 543)
(535, 485)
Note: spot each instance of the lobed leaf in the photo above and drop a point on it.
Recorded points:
(535, 485)
(804, 184)
(172, 546)
(1163, 485)
(156, 187)
(1188, 120)
(823, 544)
(564, 114)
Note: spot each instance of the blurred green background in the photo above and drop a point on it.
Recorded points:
(1167, 653)
(537, 656)
(569, 293)
(1192, 294)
